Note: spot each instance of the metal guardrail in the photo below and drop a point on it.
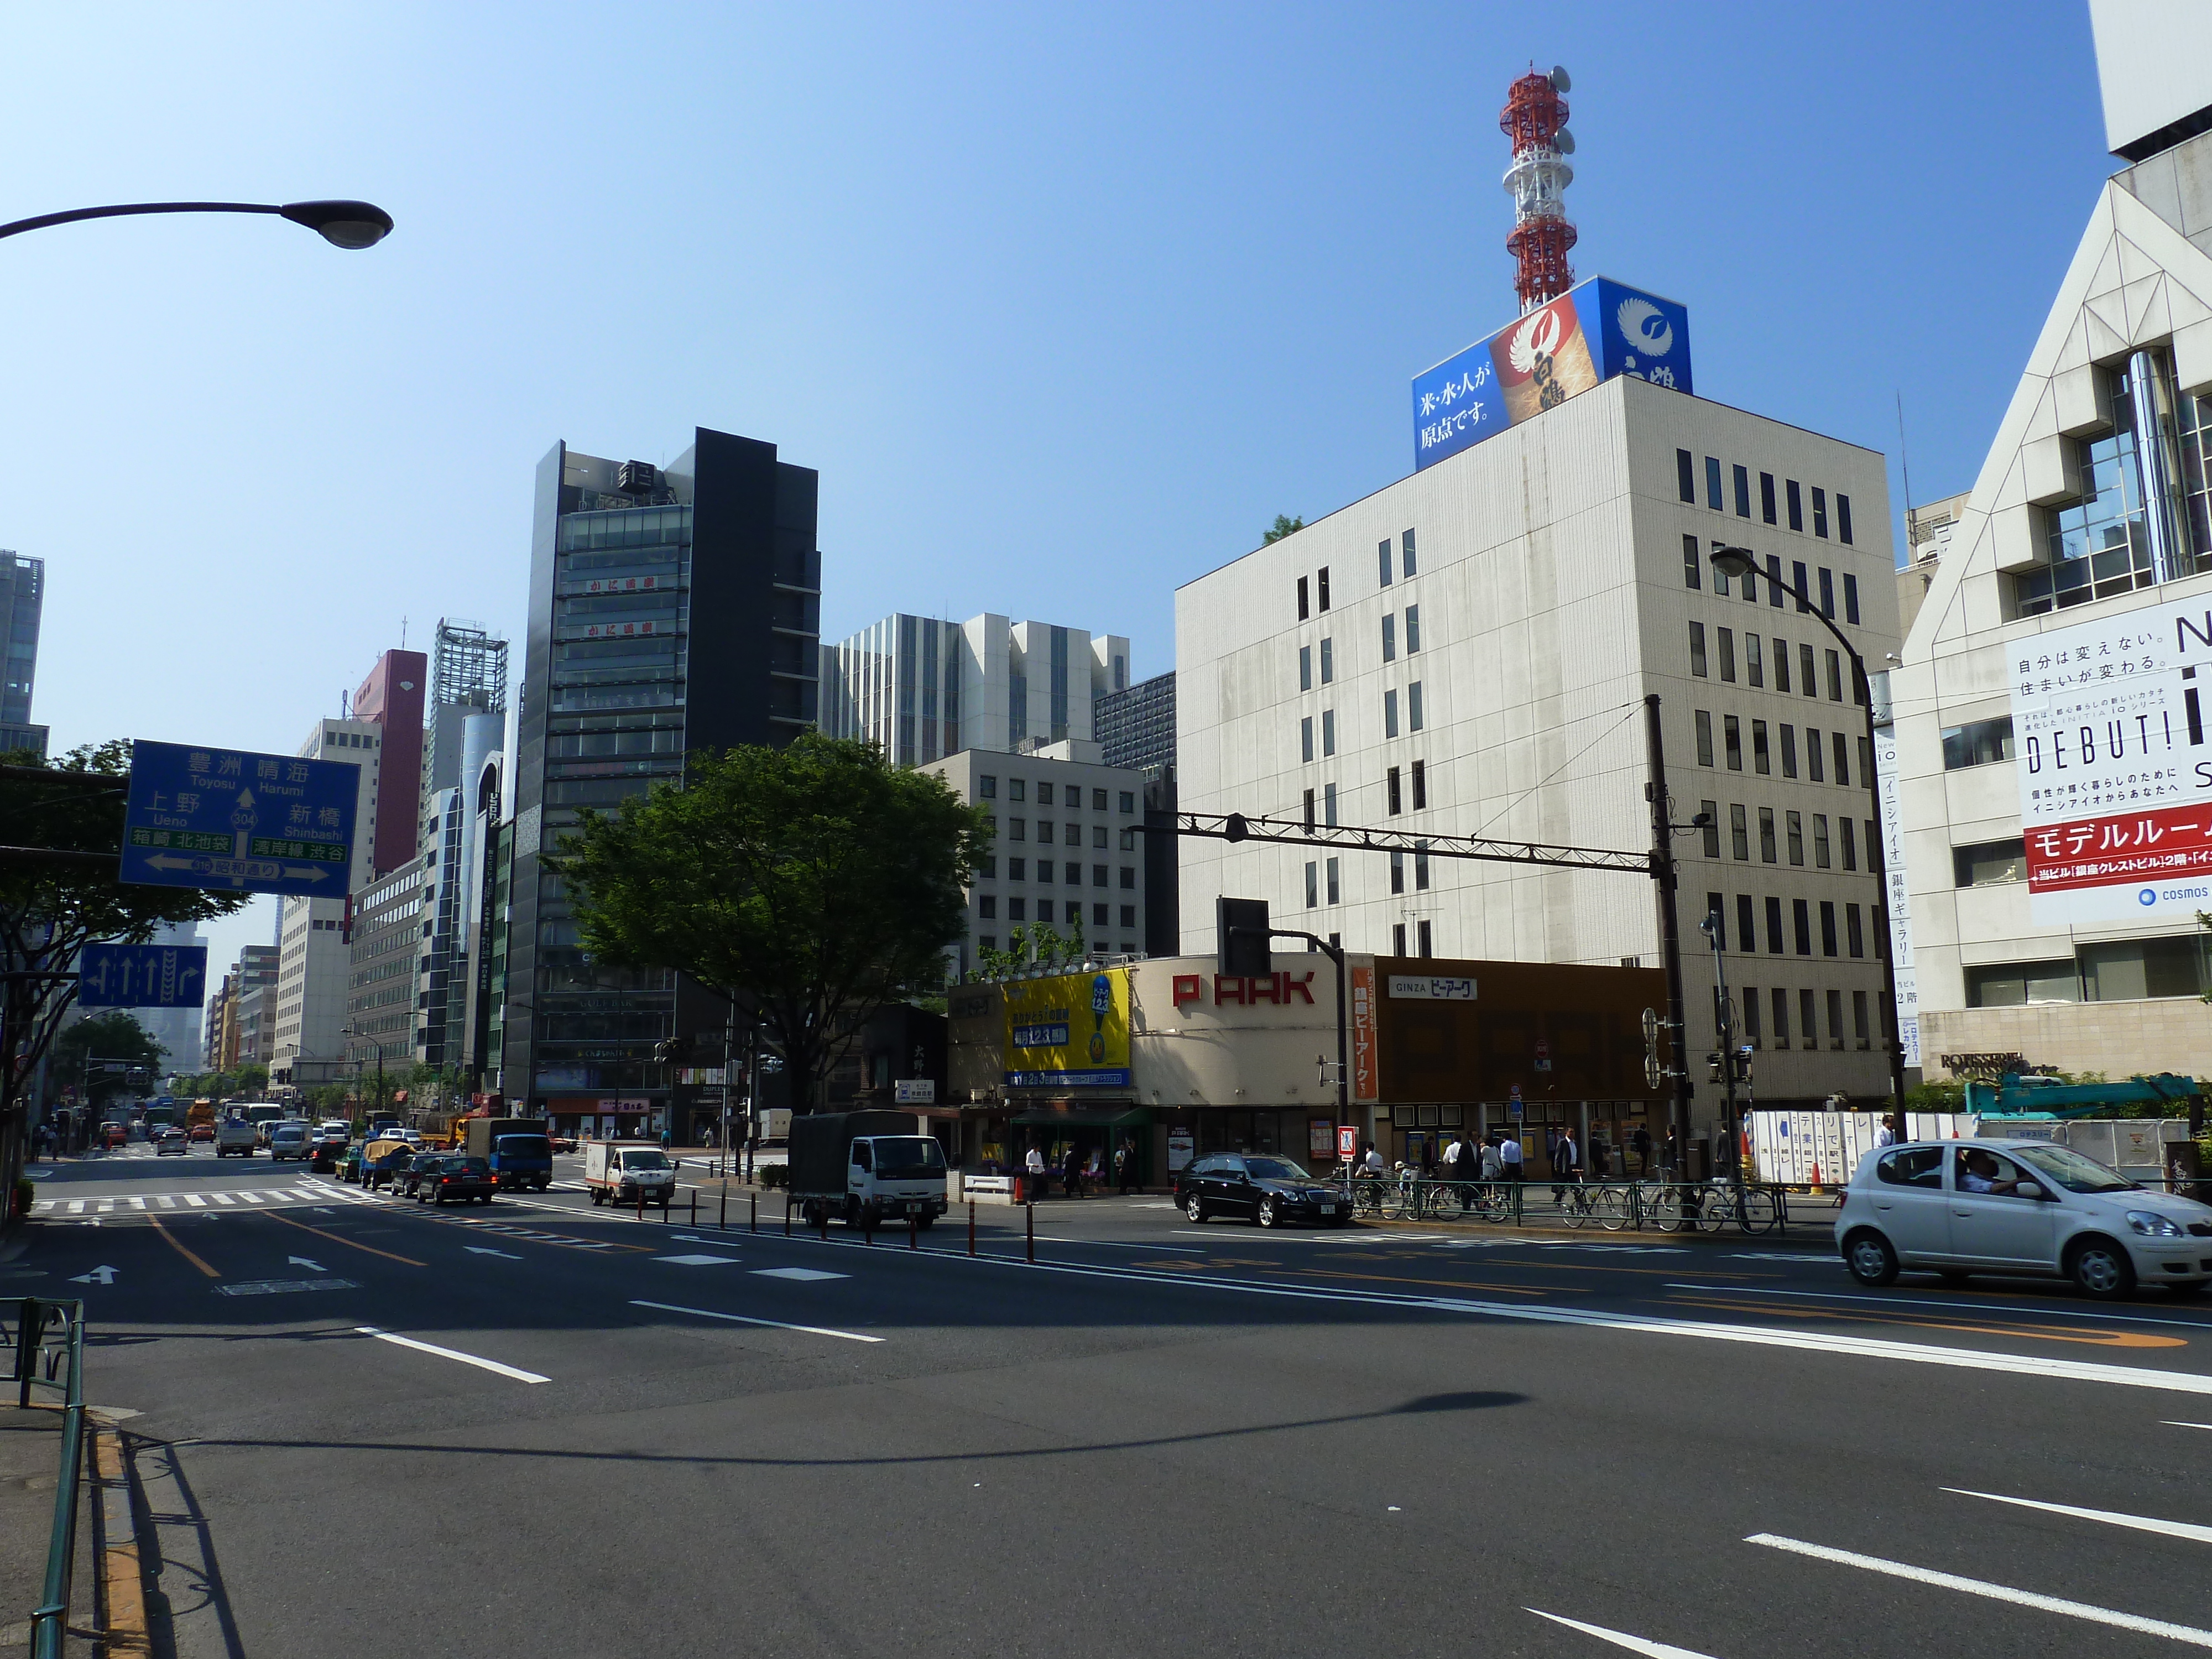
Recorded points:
(1752, 1207)
(27, 1332)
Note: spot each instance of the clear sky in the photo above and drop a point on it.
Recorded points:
(1066, 305)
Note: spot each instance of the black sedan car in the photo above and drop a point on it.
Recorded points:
(461, 1180)
(1271, 1190)
(407, 1180)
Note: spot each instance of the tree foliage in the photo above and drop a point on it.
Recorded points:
(815, 882)
(1284, 525)
(115, 1035)
(1038, 945)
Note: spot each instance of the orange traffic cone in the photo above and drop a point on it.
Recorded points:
(1816, 1179)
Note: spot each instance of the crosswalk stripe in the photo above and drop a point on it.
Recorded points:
(196, 1200)
(77, 1206)
(223, 1197)
(167, 1202)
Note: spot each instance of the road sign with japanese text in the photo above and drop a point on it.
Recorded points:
(142, 976)
(237, 823)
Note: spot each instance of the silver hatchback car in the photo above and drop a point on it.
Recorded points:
(1961, 1207)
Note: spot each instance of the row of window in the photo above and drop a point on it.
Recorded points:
(1774, 1033)
(2125, 971)
(1694, 571)
(986, 788)
(1861, 926)
(1757, 659)
(1787, 831)
(1101, 916)
(1686, 468)
(1017, 869)
(1762, 753)
(1390, 636)
(1018, 829)
(1317, 590)
(1326, 876)
(1395, 780)
(1415, 717)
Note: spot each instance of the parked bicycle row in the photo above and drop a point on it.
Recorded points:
(1615, 1207)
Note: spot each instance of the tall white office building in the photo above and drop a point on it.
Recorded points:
(314, 959)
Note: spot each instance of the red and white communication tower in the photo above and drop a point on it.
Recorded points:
(1535, 120)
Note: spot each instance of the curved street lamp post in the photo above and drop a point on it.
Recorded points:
(342, 224)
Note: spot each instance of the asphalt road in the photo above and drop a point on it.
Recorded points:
(537, 1428)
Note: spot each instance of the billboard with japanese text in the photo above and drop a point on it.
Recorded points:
(1594, 331)
(1069, 1030)
(2115, 776)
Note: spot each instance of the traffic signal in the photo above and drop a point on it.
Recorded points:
(1241, 941)
(1713, 1067)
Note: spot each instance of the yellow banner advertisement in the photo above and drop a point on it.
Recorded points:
(1071, 1030)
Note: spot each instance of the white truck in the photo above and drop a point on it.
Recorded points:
(236, 1132)
(868, 1168)
(627, 1172)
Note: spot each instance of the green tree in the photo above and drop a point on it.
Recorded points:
(115, 1035)
(52, 907)
(1283, 526)
(817, 882)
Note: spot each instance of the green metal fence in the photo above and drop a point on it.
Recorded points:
(1608, 1205)
(48, 1338)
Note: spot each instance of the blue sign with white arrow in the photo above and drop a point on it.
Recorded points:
(142, 976)
(236, 822)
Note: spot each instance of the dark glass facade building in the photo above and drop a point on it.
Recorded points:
(671, 610)
(23, 597)
(1137, 729)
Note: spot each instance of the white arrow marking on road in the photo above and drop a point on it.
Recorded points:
(479, 1249)
(1651, 1650)
(302, 1262)
(2141, 1523)
(97, 1276)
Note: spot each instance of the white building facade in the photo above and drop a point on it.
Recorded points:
(314, 960)
(1466, 652)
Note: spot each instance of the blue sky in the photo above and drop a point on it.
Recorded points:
(1065, 306)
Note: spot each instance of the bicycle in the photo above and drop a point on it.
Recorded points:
(1751, 1208)
(1666, 1207)
(1363, 1194)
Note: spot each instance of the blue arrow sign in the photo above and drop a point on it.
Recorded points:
(142, 976)
(236, 822)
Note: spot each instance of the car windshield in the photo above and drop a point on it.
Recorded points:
(909, 1155)
(644, 1160)
(1275, 1168)
(525, 1146)
(2070, 1169)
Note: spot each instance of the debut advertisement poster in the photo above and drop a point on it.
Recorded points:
(2115, 776)
(1071, 1030)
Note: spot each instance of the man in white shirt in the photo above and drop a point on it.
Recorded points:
(1509, 1158)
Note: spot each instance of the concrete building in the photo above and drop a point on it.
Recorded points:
(1466, 652)
(1927, 535)
(670, 611)
(1069, 853)
(2047, 718)
(921, 689)
(22, 601)
(1136, 730)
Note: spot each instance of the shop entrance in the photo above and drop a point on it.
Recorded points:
(1093, 1136)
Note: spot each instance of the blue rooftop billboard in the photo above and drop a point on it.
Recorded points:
(1594, 331)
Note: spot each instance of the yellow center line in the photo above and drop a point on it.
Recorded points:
(174, 1243)
(2042, 1332)
(338, 1239)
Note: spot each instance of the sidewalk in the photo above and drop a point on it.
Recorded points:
(30, 1461)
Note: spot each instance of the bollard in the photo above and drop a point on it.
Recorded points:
(867, 1225)
(913, 1230)
(786, 1212)
(1029, 1210)
(823, 1215)
(971, 1226)
(724, 1224)
(640, 1203)
(754, 1225)
(695, 1209)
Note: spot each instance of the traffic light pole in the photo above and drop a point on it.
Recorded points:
(1670, 932)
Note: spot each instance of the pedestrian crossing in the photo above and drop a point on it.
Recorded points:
(213, 1202)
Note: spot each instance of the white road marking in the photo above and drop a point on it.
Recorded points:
(77, 1206)
(165, 1201)
(2040, 1311)
(2195, 1533)
(196, 1200)
(2189, 1426)
(476, 1360)
(2189, 1633)
(774, 1324)
(480, 1250)
(101, 1275)
(302, 1262)
(808, 1274)
(1644, 1646)
(281, 1287)
(698, 1261)
(223, 1198)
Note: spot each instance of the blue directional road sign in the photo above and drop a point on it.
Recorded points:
(236, 823)
(142, 976)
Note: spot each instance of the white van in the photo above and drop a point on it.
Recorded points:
(287, 1139)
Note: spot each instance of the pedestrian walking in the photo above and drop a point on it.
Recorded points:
(1125, 1168)
(1887, 1135)
(1033, 1163)
(1509, 1158)
(1601, 1156)
(1492, 1167)
(1641, 1140)
(1071, 1172)
(1566, 1165)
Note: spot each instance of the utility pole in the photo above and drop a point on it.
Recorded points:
(1671, 935)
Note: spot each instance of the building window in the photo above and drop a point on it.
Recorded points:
(1428, 947)
(1397, 939)
(1732, 736)
(1827, 592)
(1405, 564)
(1754, 663)
(1329, 805)
(1798, 572)
(1774, 581)
(1099, 914)
(1796, 510)
(1313, 880)
(1851, 843)
(1420, 784)
(1420, 866)
(1017, 828)
(1766, 847)
(1751, 1015)
(1854, 935)
(1740, 834)
(1774, 945)
(1017, 789)
(1302, 599)
(1789, 751)
(1978, 743)
(1781, 664)
(1097, 835)
(1835, 1004)
(1414, 707)
(1305, 738)
(1697, 649)
(1336, 889)
(1045, 798)
(1746, 929)
(1305, 668)
(1716, 914)
(1781, 1019)
(1074, 913)
(1413, 629)
(1309, 809)
(1129, 840)
(1128, 801)
(1766, 497)
(1389, 638)
(1328, 660)
(1704, 723)
(2131, 970)
(1858, 998)
(1820, 841)
(1801, 914)
(1710, 811)
(1383, 559)
(2015, 984)
(1812, 761)
(988, 941)
(1742, 481)
(1805, 669)
(1389, 714)
(1044, 831)
(1692, 562)
(1390, 790)
(1842, 752)
(1018, 869)
(987, 905)
(1322, 594)
(1397, 873)
(1017, 908)
(1759, 759)
(1686, 476)
(1725, 637)
(1850, 594)
(1821, 514)
(1990, 863)
(1827, 930)
(1872, 848)
(986, 788)
(1843, 522)
(1328, 732)
(988, 866)
(1794, 822)
(1129, 877)
(1713, 483)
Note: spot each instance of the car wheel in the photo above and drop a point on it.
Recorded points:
(1269, 1217)
(1193, 1208)
(2102, 1269)
(1870, 1258)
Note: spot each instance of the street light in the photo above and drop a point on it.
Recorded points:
(1743, 563)
(342, 224)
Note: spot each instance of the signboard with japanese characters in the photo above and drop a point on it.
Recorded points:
(2115, 778)
(235, 822)
(1900, 913)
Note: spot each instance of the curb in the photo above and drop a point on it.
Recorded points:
(122, 1582)
(1713, 1240)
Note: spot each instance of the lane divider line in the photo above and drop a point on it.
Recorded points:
(1644, 1646)
(339, 1238)
(740, 1319)
(178, 1245)
(2186, 1634)
(477, 1360)
(2195, 1533)
(1986, 1308)
(2187, 1425)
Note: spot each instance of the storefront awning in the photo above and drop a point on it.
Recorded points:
(1128, 1117)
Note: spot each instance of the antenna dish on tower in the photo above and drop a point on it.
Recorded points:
(1565, 142)
(1561, 80)
(1535, 120)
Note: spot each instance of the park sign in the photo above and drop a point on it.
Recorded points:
(232, 822)
(142, 976)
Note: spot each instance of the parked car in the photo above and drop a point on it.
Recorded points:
(287, 1139)
(2018, 1207)
(169, 1140)
(466, 1180)
(1268, 1189)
